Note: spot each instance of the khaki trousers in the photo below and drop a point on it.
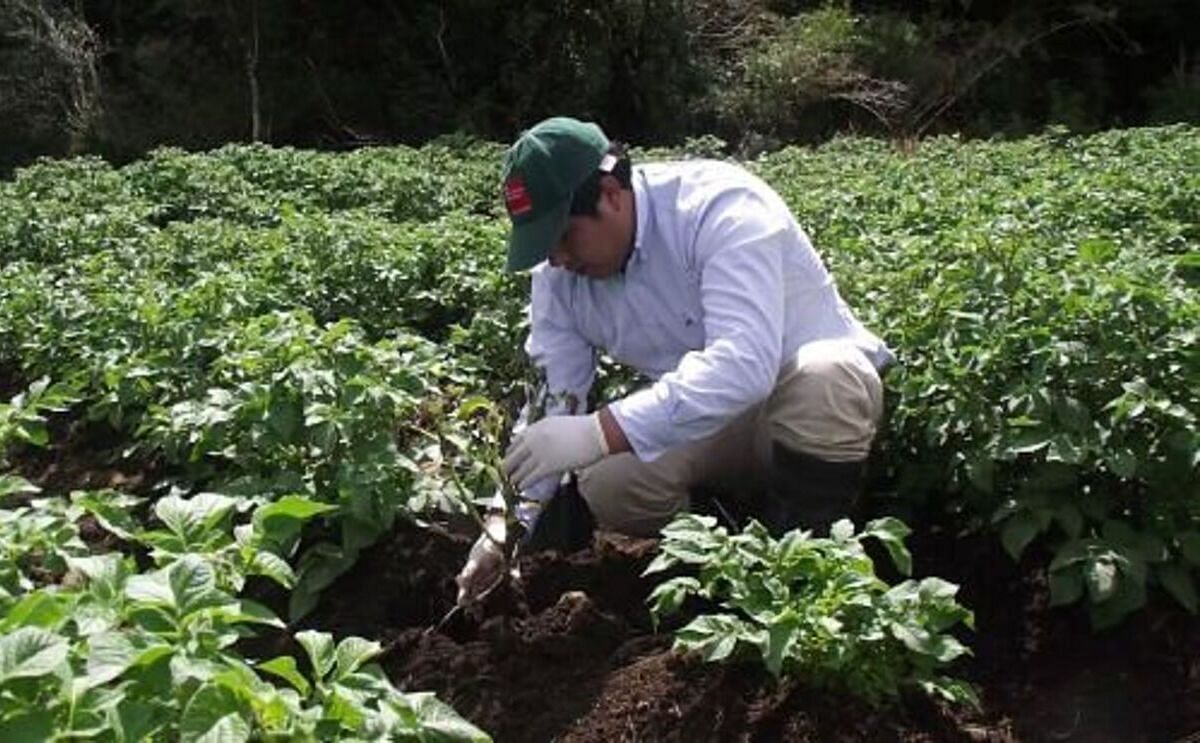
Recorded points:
(827, 402)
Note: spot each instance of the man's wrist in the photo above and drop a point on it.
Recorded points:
(614, 435)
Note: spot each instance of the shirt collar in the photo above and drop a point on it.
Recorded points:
(641, 208)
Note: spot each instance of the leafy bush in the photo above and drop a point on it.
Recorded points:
(114, 654)
(808, 62)
(813, 608)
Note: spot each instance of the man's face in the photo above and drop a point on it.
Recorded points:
(596, 246)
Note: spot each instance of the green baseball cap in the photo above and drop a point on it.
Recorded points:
(541, 172)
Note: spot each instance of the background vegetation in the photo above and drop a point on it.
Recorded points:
(118, 78)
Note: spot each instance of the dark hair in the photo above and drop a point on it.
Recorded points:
(583, 203)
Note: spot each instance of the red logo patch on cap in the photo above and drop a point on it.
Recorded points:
(516, 197)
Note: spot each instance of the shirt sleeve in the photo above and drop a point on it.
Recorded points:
(565, 360)
(739, 250)
(566, 365)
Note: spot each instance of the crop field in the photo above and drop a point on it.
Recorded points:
(251, 402)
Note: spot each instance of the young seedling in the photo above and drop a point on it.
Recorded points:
(491, 424)
(490, 430)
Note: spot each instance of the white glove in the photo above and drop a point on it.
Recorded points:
(554, 445)
(484, 562)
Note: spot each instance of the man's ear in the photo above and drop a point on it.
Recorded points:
(610, 191)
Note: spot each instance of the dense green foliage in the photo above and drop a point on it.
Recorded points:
(91, 646)
(1042, 296)
(281, 335)
(213, 329)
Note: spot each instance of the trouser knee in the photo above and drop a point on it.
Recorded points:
(634, 497)
(828, 403)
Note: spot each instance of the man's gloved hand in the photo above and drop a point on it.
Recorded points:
(484, 562)
(554, 445)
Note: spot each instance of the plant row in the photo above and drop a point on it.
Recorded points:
(147, 642)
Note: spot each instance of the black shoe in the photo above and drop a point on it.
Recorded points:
(808, 492)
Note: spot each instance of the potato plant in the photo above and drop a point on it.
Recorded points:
(110, 653)
(812, 607)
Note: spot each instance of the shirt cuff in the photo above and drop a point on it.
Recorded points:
(644, 417)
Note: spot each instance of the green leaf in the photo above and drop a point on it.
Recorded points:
(981, 471)
(1097, 506)
(1179, 583)
(1066, 448)
(319, 646)
(320, 565)
(952, 690)
(662, 561)
(1130, 597)
(113, 509)
(106, 573)
(351, 653)
(667, 597)
(38, 609)
(192, 519)
(1017, 532)
(92, 617)
(16, 485)
(472, 405)
(152, 588)
(713, 636)
(193, 584)
(30, 652)
(1102, 578)
(892, 532)
(110, 654)
(1098, 250)
(1070, 519)
(280, 522)
(1029, 441)
(1051, 476)
(292, 507)
(284, 419)
(690, 525)
(1123, 462)
(34, 432)
(92, 706)
(436, 719)
(284, 666)
(272, 566)
(37, 725)
(1072, 414)
(213, 715)
(139, 719)
(247, 611)
(685, 551)
(1121, 533)
(782, 636)
(936, 589)
(1066, 586)
(842, 530)
(1189, 546)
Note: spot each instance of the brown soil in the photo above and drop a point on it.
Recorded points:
(87, 456)
(569, 654)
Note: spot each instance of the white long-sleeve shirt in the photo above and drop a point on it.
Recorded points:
(721, 288)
